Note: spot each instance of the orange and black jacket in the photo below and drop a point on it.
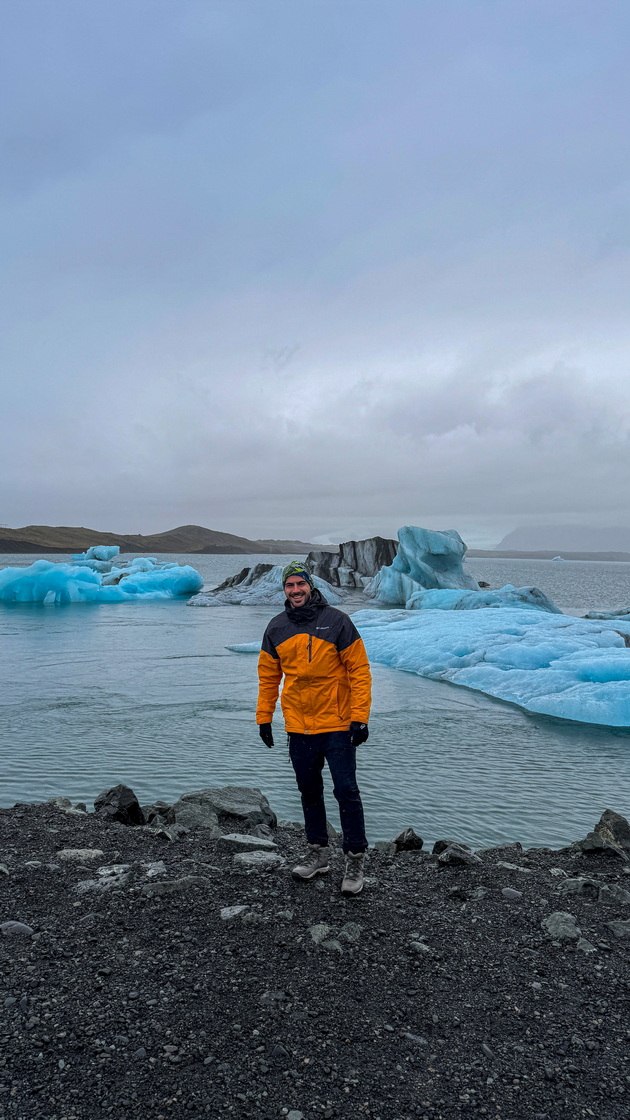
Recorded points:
(327, 681)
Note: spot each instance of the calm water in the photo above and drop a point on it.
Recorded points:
(147, 694)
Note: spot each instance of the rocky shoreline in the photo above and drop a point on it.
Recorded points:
(177, 969)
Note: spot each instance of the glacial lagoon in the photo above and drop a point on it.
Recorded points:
(147, 693)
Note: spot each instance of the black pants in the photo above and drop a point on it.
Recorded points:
(308, 754)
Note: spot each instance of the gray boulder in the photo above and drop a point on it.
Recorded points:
(208, 808)
(408, 841)
(561, 926)
(459, 856)
(611, 836)
(119, 804)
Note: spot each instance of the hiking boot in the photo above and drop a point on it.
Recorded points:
(353, 876)
(316, 863)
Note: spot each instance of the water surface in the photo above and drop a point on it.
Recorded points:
(146, 693)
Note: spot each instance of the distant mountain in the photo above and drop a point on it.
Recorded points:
(186, 538)
(566, 538)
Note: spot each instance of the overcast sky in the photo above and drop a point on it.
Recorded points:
(315, 268)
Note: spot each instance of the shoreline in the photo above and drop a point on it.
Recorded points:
(193, 976)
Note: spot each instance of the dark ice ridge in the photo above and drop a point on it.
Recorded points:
(175, 968)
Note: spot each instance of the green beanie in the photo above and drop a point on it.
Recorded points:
(296, 568)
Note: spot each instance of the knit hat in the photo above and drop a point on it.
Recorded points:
(296, 568)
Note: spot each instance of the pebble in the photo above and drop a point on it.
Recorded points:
(240, 842)
(228, 913)
(80, 854)
(16, 929)
(319, 932)
(511, 894)
(139, 1054)
(295, 1115)
(259, 861)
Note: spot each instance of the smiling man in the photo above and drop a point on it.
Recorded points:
(326, 706)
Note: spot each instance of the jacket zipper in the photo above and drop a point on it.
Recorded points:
(310, 647)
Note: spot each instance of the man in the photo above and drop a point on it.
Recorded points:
(326, 706)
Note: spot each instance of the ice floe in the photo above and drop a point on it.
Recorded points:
(555, 665)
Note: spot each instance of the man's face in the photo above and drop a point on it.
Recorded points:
(297, 591)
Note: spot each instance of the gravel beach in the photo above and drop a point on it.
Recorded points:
(161, 978)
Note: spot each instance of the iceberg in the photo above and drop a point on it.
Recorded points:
(49, 583)
(426, 559)
(260, 585)
(554, 665)
(623, 612)
(245, 647)
(99, 552)
(530, 598)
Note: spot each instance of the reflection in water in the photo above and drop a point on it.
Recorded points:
(147, 694)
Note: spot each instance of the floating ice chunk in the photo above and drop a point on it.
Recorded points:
(49, 583)
(259, 585)
(556, 665)
(425, 559)
(99, 552)
(452, 600)
(623, 612)
(245, 647)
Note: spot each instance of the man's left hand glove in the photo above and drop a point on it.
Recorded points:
(358, 733)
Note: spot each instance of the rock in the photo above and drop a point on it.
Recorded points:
(613, 895)
(407, 841)
(354, 560)
(4, 870)
(511, 894)
(279, 1051)
(139, 1054)
(60, 802)
(585, 946)
(351, 931)
(385, 847)
(458, 856)
(578, 886)
(620, 929)
(173, 886)
(332, 945)
(294, 1114)
(206, 808)
(479, 892)
(614, 828)
(119, 804)
(239, 842)
(263, 831)
(81, 807)
(158, 813)
(16, 929)
(259, 861)
(561, 926)
(514, 867)
(442, 845)
(319, 932)
(229, 913)
(611, 836)
(80, 854)
(415, 1039)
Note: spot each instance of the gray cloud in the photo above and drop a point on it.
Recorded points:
(314, 269)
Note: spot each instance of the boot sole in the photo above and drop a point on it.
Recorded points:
(307, 878)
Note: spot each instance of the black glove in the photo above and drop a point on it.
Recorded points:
(264, 730)
(358, 733)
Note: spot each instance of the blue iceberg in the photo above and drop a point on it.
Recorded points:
(530, 598)
(554, 665)
(49, 583)
(99, 552)
(426, 559)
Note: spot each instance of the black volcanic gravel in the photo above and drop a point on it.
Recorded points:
(433, 994)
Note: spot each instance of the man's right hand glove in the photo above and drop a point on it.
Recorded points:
(264, 730)
(358, 733)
